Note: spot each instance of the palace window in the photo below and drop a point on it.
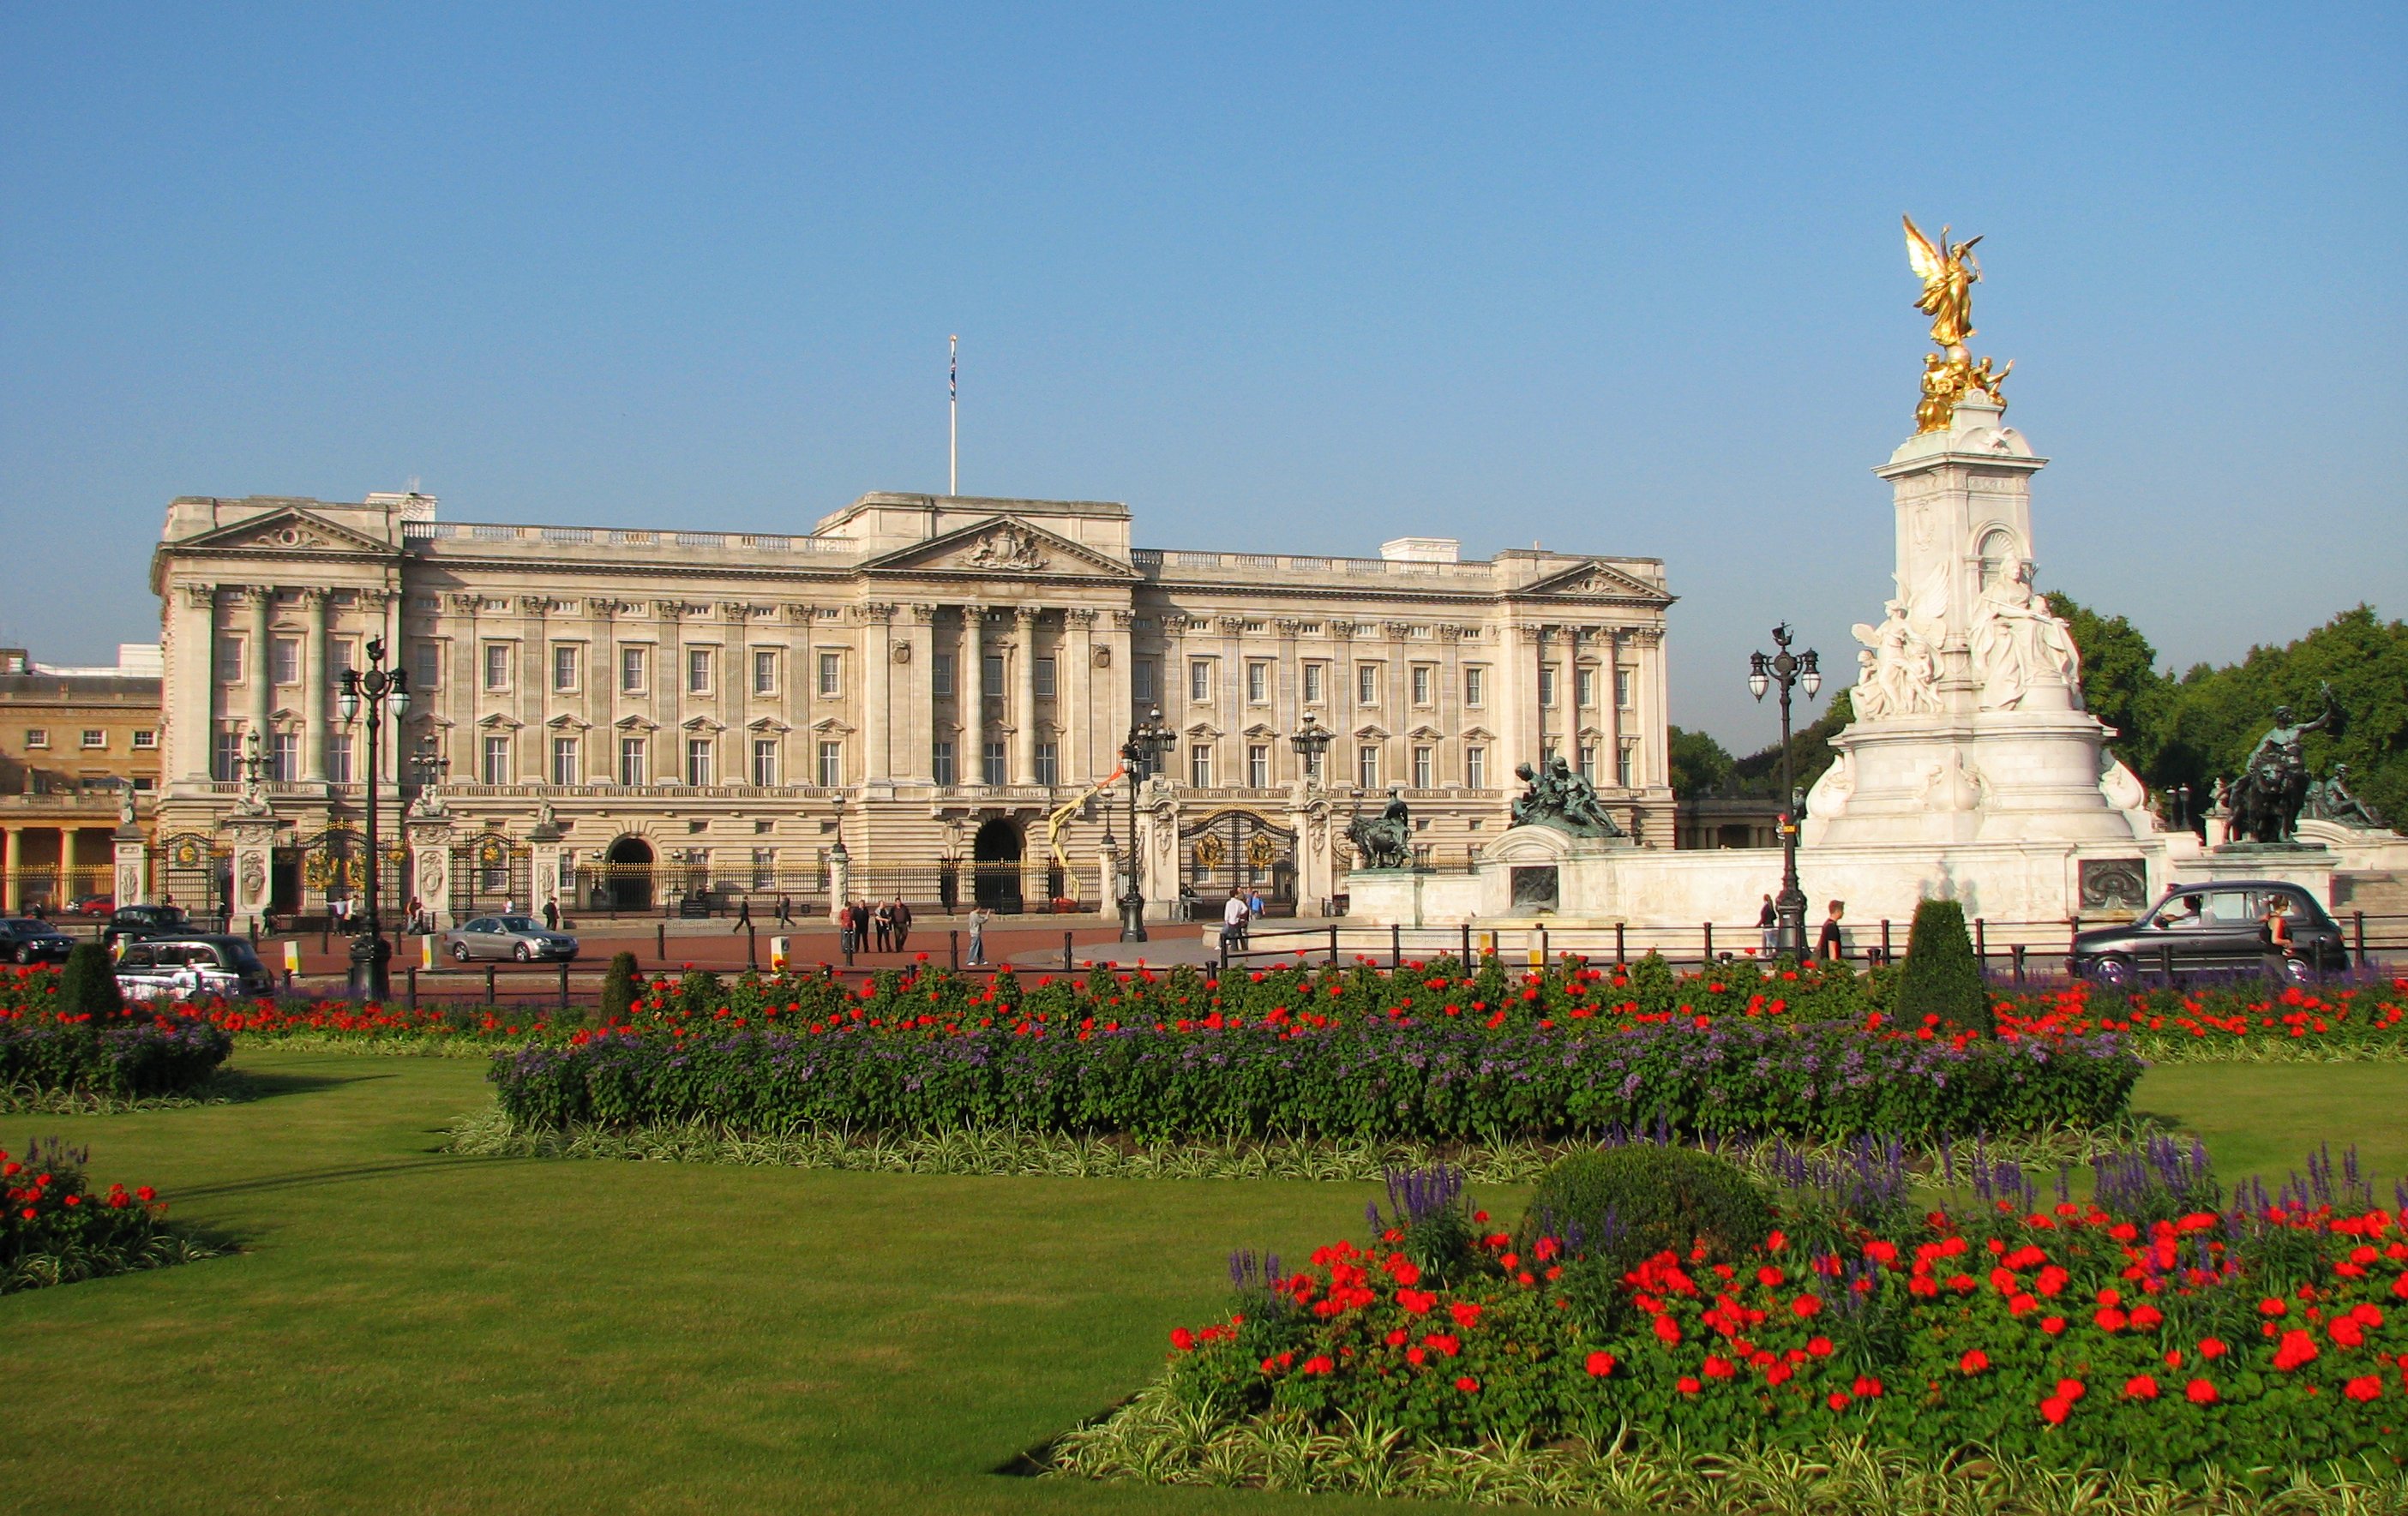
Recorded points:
(765, 761)
(1424, 676)
(697, 760)
(831, 765)
(285, 756)
(1422, 768)
(563, 760)
(1588, 761)
(631, 670)
(497, 666)
(831, 675)
(225, 753)
(1315, 674)
(1624, 762)
(1199, 764)
(1366, 766)
(697, 670)
(1259, 765)
(1546, 684)
(338, 757)
(426, 665)
(496, 769)
(991, 763)
(342, 653)
(229, 660)
(1258, 684)
(991, 675)
(287, 654)
(1044, 678)
(145, 738)
(940, 674)
(1142, 680)
(1584, 688)
(1475, 766)
(1622, 688)
(564, 668)
(1199, 680)
(633, 764)
(942, 760)
(1475, 686)
(1366, 684)
(1049, 764)
(764, 671)
(96, 736)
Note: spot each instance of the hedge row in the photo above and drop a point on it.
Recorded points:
(130, 1057)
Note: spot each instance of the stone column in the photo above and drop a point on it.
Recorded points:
(1074, 673)
(190, 698)
(254, 856)
(12, 898)
(908, 688)
(545, 849)
(258, 602)
(878, 713)
(428, 836)
(1120, 686)
(1023, 700)
(1308, 816)
(313, 684)
(970, 696)
(132, 850)
(1612, 699)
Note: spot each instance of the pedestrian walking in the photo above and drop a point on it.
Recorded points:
(1833, 944)
(1768, 926)
(883, 922)
(844, 928)
(416, 908)
(743, 916)
(979, 919)
(1233, 917)
(786, 911)
(1254, 907)
(902, 920)
(551, 914)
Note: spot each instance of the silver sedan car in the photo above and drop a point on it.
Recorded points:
(522, 938)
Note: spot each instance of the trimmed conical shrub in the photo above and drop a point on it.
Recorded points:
(89, 985)
(619, 982)
(1941, 976)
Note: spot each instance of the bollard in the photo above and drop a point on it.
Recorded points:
(490, 998)
(752, 946)
(1620, 957)
(1542, 944)
(321, 937)
(1709, 945)
(1884, 939)
(1395, 946)
(661, 942)
(2019, 963)
(1981, 946)
(2166, 961)
(288, 982)
(2357, 925)
(563, 985)
(952, 951)
(1224, 954)
(1333, 946)
(1467, 948)
(410, 975)
(1067, 966)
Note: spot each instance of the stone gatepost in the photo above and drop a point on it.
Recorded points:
(1316, 864)
(254, 869)
(547, 853)
(1108, 874)
(133, 854)
(429, 838)
(1157, 847)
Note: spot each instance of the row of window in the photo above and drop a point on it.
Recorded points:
(500, 658)
(94, 738)
(1204, 678)
(1369, 770)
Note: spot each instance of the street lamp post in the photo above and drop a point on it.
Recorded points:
(379, 688)
(1785, 669)
(1148, 740)
(1311, 741)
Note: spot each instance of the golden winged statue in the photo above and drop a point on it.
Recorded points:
(1949, 271)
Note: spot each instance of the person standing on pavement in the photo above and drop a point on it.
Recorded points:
(1768, 926)
(551, 914)
(979, 919)
(1831, 946)
(882, 919)
(1233, 921)
(902, 915)
(844, 928)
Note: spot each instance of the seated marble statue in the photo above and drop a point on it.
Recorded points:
(2017, 644)
(1561, 797)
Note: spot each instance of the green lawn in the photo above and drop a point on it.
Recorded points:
(409, 1330)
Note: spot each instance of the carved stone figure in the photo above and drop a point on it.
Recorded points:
(2329, 800)
(2274, 783)
(1385, 840)
(1899, 675)
(2018, 645)
(125, 807)
(1008, 546)
(1561, 797)
(1949, 272)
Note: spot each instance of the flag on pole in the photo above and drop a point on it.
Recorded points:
(952, 368)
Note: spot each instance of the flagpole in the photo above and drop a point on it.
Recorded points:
(954, 415)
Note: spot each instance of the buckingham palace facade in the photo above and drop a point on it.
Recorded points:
(642, 719)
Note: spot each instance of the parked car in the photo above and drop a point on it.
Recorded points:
(144, 922)
(522, 938)
(2217, 927)
(190, 967)
(26, 940)
(92, 905)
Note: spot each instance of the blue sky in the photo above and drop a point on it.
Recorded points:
(1300, 277)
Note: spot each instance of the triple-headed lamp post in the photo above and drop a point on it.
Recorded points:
(1785, 669)
(379, 688)
(1141, 755)
(1311, 742)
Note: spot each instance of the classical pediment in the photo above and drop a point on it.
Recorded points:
(1002, 547)
(703, 724)
(636, 724)
(768, 724)
(290, 529)
(1595, 581)
(567, 722)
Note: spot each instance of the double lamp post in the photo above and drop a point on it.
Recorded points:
(1786, 669)
(1141, 755)
(379, 689)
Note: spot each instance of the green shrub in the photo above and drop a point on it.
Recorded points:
(1625, 1204)
(1942, 977)
(89, 986)
(619, 983)
(700, 992)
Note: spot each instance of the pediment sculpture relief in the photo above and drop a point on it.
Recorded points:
(1008, 546)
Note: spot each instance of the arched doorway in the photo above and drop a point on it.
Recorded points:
(995, 865)
(627, 874)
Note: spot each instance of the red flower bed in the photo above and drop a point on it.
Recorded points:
(54, 1228)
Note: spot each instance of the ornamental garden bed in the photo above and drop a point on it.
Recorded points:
(55, 1229)
(2154, 1346)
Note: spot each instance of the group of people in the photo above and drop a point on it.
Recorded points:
(1238, 915)
(1831, 942)
(884, 927)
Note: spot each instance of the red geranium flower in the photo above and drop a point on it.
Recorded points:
(1600, 1363)
(1468, 1384)
(2200, 1393)
(2364, 1387)
(1973, 1362)
(2140, 1387)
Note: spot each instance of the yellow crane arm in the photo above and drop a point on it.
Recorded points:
(1060, 817)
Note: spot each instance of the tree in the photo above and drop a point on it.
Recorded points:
(2120, 681)
(1810, 752)
(1699, 764)
(87, 986)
